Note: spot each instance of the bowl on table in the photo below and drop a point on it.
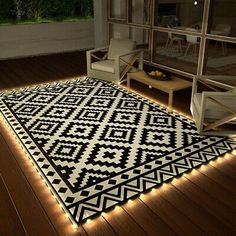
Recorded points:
(158, 75)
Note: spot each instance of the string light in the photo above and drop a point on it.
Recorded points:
(103, 214)
(88, 221)
(117, 208)
(195, 3)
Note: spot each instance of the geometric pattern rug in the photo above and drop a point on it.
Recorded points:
(97, 145)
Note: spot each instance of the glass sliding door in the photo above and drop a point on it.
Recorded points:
(141, 37)
(220, 58)
(222, 20)
(118, 31)
(220, 50)
(117, 10)
(179, 14)
(178, 45)
(139, 12)
(185, 36)
(178, 51)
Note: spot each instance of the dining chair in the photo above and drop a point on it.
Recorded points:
(192, 41)
(173, 39)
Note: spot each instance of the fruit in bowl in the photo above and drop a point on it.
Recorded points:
(159, 73)
(156, 74)
(152, 73)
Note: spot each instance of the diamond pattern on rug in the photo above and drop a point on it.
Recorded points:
(130, 104)
(58, 112)
(118, 134)
(98, 145)
(28, 109)
(152, 119)
(121, 117)
(88, 114)
(70, 100)
(107, 156)
(80, 130)
(66, 151)
(99, 102)
(45, 127)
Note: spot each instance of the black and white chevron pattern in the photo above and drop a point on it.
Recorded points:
(98, 145)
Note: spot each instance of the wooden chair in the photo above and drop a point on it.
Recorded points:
(118, 60)
(214, 108)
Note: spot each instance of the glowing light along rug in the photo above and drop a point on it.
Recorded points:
(98, 145)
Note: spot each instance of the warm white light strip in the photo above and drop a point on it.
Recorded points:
(130, 201)
(165, 185)
(37, 170)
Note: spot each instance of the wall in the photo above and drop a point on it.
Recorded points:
(100, 23)
(37, 39)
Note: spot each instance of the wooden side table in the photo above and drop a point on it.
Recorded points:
(168, 86)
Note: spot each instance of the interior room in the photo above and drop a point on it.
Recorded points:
(118, 117)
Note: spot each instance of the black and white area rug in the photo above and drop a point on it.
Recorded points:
(98, 145)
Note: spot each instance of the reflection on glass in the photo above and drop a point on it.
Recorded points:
(176, 50)
(140, 36)
(221, 58)
(223, 18)
(139, 12)
(181, 14)
(118, 31)
(117, 9)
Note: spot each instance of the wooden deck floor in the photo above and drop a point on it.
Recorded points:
(202, 202)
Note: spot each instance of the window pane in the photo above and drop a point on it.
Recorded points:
(185, 13)
(118, 9)
(118, 31)
(176, 50)
(223, 20)
(139, 12)
(221, 58)
(140, 36)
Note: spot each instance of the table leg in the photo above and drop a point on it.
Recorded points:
(170, 102)
(128, 82)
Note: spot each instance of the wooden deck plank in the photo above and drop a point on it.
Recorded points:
(27, 204)
(203, 200)
(8, 211)
(144, 216)
(171, 215)
(217, 176)
(207, 222)
(52, 212)
(154, 212)
(98, 227)
(47, 70)
(213, 189)
(16, 71)
(8, 78)
(225, 169)
(122, 223)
